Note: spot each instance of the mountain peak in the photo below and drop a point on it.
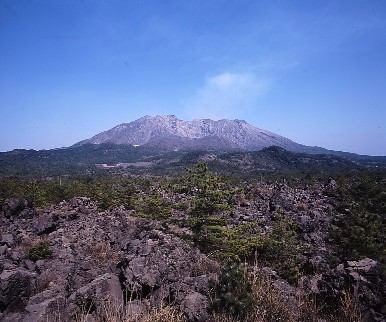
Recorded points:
(159, 117)
(169, 132)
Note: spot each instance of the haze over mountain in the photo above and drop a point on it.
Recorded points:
(169, 132)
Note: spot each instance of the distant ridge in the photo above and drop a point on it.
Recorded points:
(170, 133)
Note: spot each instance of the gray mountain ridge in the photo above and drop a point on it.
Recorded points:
(171, 133)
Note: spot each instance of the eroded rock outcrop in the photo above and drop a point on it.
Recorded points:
(112, 258)
(97, 257)
(362, 280)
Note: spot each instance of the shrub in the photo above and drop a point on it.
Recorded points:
(240, 243)
(152, 206)
(232, 293)
(210, 196)
(40, 251)
(361, 234)
(283, 249)
(361, 230)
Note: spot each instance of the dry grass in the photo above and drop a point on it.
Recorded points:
(111, 312)
(272, 304)
(102, 254)
(164, 314)
(349, 310)
(27, 244)
(204, 265)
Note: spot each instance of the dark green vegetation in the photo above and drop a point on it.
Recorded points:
(233, 293)
(361, 230)
(84, 160)
(40, 251)
(209, 196)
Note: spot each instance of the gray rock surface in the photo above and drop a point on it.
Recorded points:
(98, 257)
(137, 264)
(16, 207)
(171, 132)
(364, 279)
(16, 287)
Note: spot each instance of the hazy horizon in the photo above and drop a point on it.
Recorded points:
(314, 72)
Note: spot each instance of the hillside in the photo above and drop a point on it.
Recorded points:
(90, 158)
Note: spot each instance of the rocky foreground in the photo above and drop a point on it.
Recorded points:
(95, 256)
(68, 262)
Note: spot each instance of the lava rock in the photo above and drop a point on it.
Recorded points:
(16, 287)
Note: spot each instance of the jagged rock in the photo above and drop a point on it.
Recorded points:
(46, 306)
(151, 267)
(15, 257)
(14, 206)
(8, 240)
(332, 184)
(30, 265)
(92, 296)
(307, 224)
(45, 224)
(194, 306)
(368, 282)
(3, 249)
(365, 281)
(158, 268)
(16, 287)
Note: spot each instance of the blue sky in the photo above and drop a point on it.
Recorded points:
(312, 71)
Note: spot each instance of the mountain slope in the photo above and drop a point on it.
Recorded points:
(89, 158)
(172, 133)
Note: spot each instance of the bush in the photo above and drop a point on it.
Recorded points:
(359, 235)
(239, 243)
(152, 206)
(361, 230)
(40, 251)
(283, 249)
(232, 293)
(210, 196)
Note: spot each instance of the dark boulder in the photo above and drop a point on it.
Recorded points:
(45, 224)
(46, 306)
(16, 288)
(104, 290)
(362, 280)
(159, 269)
(18, 207)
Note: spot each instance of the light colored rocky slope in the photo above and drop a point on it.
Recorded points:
(172, 133)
